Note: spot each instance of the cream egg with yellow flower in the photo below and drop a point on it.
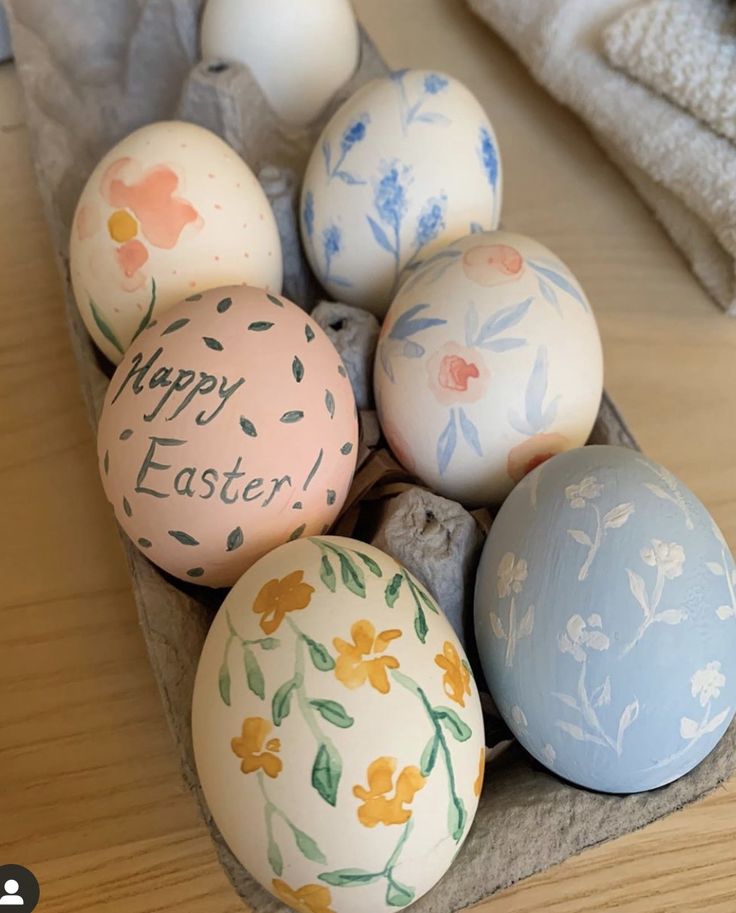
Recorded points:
(337, 729)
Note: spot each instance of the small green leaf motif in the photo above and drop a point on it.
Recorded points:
(124, 435)
(313, 470)
(297, 369)
(223, 305)
(393, 588)
(398, 895)
(127, 508)
(326, 772)
(234, 539)
(183, 538)
(248, 427)
(145, 543)
(269, 643)
(341, 371)
(149, 313)
(330, 403)
(195, 572)
(102, 326)
(106, 462)
(456, 818)
(258, 326)
(347, 878)
(211, 343)
(327, 574)
(274, 300)
(223, 681)
(281, 703)
(297, 505)
(196, 297)
(297, 532)
(457, 728)
(406, 682)
(370, 564)
(295, 415)
(320, 656)
(429, 756)
(273, 854)
(176, 325)
(253, 673)
(331, 497)
(428, 602)
(333, 712)
(346, 448)
(420, 623)
(308, 847)
(308, 332)
(352, 576)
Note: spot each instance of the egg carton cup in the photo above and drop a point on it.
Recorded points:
(92, 71)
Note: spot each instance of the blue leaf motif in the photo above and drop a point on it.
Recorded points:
(560, 281)
(349, 178)
(380, 235)
(406, 325)
(476, 227)
(432, 118)
(339, 280)
(471, 324)
(446, 444)
(548, 293)
(470, 432)
(327, 153)
(503, 345)
(413, 349)
(536, 390)
(503, 320)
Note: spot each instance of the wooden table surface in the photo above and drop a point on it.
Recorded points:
(90, 793)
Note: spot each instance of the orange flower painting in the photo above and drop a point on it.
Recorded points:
(456, 680)
(478, 785)
(364, 659)
(533, 452)
(250, 747)
(277, 597)
(310, 898)
(378, 807)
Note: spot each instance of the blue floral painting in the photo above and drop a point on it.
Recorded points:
(413, 110)
(353, 134)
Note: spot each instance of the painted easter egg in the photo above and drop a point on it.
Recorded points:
(488, 363)
(605, 616)
(228, 428)
(300, 52)
(406, 165)
(337, 728)
(169, 211)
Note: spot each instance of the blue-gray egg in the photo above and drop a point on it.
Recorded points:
(605, 615)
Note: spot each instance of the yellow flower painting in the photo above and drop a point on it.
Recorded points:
(250, 747)
(456, 680)
(378, 807)
(277, 597)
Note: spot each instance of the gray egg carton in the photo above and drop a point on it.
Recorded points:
(93, 70)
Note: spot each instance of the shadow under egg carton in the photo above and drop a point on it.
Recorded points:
(91, 73)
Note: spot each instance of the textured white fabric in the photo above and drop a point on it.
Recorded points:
(686, 51)
(683, 169)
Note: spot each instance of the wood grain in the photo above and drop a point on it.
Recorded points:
(89, 782)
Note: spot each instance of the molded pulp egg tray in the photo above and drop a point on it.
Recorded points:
(91, 72)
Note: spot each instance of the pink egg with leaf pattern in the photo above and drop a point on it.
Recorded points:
(229, 428)
(169, 211)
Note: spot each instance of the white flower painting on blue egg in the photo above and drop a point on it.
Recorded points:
(605, 616)
(406, 165)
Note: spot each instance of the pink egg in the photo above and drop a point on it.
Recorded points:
(228, 428)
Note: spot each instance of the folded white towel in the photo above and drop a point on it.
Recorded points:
(685, 171)
(686, 51)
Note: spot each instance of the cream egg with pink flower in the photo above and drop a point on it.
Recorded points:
(489, 363)
(170, 211)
